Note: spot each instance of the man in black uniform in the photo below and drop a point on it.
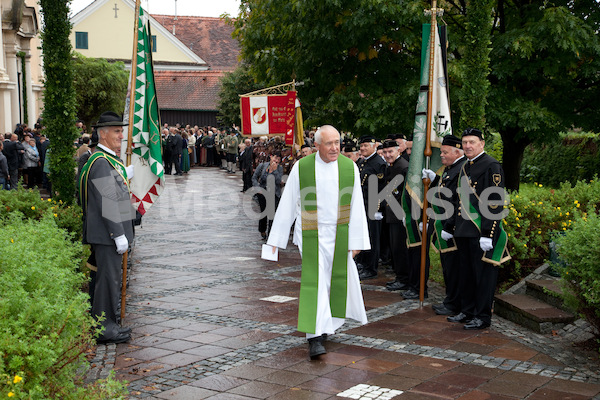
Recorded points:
(370, 165)
(452, 157)
(396, 173)
(477, 229)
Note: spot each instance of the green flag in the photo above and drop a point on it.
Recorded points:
(148, 181)
(412, 198)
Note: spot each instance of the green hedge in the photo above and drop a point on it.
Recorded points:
(45, 327)
(575, 157)
(30, 205)
(579, 248)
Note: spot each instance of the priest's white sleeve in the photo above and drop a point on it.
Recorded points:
(286, 211)
(358, 230)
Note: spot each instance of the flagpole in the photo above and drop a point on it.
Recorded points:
(129, 140)
(427, 152)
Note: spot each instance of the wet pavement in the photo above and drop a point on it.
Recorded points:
(211, 320)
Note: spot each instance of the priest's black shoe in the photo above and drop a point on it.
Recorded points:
(476, 323)
(441, 309)
(315, 347)
(395, 285)
(120, 338)
(367, 274)
(461, 317)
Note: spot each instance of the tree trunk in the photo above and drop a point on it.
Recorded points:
(512, 157)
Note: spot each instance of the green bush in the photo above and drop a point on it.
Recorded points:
(45, 327)
(579, 248)
(575, 157)
(536, 214)
(28, 203)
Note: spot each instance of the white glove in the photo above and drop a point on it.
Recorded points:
(427, 173)
(129, 170)
(446, 236)
(421, 226)
(378, 216)
(122, 244)
(485, 244)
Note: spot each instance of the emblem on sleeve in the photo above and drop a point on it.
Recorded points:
(379, 176)
(497, 179)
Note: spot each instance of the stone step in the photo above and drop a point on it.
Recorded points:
(547, 290)
(531, 313)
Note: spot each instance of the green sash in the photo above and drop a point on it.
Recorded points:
(499, 253)
(309, 286)
(116, 163)
(440, 245)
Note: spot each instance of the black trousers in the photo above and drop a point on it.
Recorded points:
(370, 258)
(477, 280)
(175, 159)
(398, 251)
(451, 270)
(168, 163)
(107, 289)
(247, 179)
(384, 244)
(210, 156)
(265, 221)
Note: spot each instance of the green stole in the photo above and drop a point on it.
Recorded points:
(499, 253)
(309, 286)
(116, 163)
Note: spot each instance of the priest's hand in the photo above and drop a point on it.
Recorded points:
(273, 249)
(354, 252)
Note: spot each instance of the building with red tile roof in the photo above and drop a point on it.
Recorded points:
(190, 55)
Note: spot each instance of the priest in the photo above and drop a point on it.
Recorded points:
(323, 196)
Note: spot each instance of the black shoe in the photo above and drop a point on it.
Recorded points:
(395, 285)
(120, 338)
(315, 347)
(367, 274)
(125, 329)
(412, 295)
(264, 235)
(476, 323)
(461, 318)
(323, 337)
(441, 309)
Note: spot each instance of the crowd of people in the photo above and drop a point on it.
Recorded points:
(377, 231)
(23, 156)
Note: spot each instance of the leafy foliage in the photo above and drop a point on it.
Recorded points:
(59, 97)
(537, 214)
(580, 249)
(359, 61)
(45, 327)
(575, 157)
(28, 204)
(232, 85)
(100, 86)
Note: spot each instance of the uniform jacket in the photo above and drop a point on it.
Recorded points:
(481, 173)
(108, 213)
(373, 165)
(398, 167)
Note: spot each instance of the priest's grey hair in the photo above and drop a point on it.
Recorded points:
(317, 137)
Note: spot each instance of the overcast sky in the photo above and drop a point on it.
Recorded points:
(200, 8)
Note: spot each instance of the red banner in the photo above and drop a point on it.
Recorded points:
(269, 115)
